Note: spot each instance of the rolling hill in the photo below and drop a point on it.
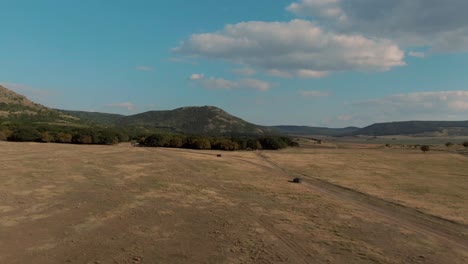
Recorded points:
(193, 120)
(94, 117)
(16, 107)
(430, 128)
(204, 120)
(321, 131)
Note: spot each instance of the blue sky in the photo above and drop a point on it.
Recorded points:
(305, 62)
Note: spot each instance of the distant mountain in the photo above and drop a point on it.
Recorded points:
(193, 120)
(430, 128)
(16, 107)
(204, 120)
(321, 131)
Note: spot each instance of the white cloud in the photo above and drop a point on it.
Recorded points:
(314, 93)
(321, 8)
(245, 71)
(459, 105)
(417, 54)
(442, 105)
(196, 76)
(298, 48)
(224, 84)
(311, 74)
(126, 105)
(442, 25)
(144, 68)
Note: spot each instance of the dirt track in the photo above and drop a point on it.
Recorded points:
(92, 204)
(452, 232)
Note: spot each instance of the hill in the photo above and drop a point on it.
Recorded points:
(94, 117)
(16, 107)
(207, 120)
(321, 131)
(431, 128)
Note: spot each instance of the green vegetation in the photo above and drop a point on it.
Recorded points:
(425, 148)
(228, 144)
(205, 120)
(94, 117)
(61, 134)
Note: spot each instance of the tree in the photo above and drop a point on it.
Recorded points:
(25, 134)
(46, 137)
(108, 138)
(176, 141)
(225, 144)
(63, 138)
(253, 144)
(425, 148)
(157, 140)
(198, 143)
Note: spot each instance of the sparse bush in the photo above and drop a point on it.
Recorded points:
(465, 144)
(425, 148)
(448, 144)
(5, 134)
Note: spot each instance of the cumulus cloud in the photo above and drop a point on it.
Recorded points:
(144, 68)
(196, 76)
(443, 25)
(442, 105)
(125, 105)
(245, 71)
(314, 93)
(297, 48)
(224, 84)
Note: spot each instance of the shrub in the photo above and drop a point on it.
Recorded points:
(5, 134)
(448, 144)
(63, 138)
(465, 144)
(25, 134)
(425, 148)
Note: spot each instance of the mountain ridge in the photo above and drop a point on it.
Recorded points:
(209, 120)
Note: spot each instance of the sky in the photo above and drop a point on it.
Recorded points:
(333, 63)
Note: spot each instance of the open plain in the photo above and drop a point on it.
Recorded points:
(124, 204)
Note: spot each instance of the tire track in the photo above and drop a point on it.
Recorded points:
(294, 251)
(432, 226)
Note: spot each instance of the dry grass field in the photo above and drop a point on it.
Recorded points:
(122, 204)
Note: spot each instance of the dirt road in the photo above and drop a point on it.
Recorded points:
(452, 232)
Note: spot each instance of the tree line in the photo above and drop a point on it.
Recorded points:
(217, 143)
(61, 134)
(107, 136)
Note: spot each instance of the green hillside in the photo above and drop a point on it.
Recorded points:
(204, 120)
(17, 108)
(94, 117)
